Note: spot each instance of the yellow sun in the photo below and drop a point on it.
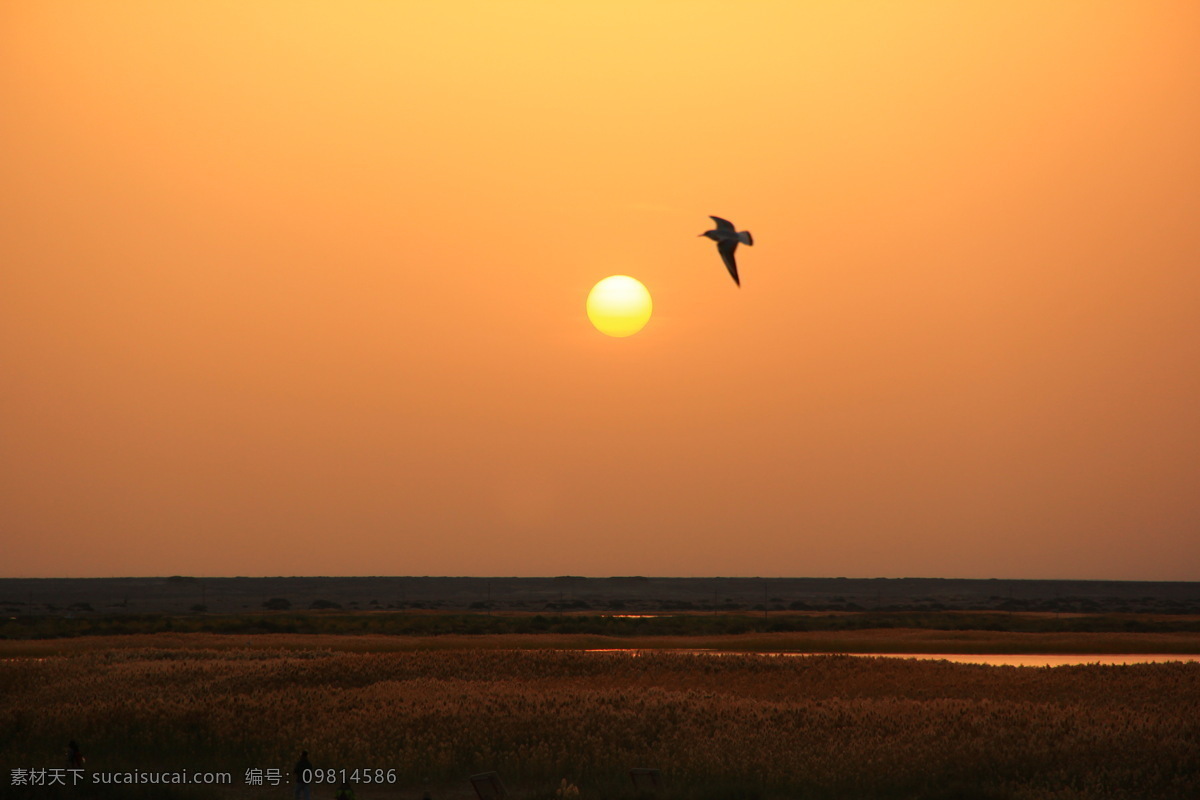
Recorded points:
(619, 306)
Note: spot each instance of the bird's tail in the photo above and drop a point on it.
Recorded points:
(746, 238)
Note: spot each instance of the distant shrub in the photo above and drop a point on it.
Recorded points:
(677, 605)
(609, 623)
(277, 604)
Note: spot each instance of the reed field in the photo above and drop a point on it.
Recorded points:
(717, 726)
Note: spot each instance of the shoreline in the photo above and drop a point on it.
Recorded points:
(890, 641)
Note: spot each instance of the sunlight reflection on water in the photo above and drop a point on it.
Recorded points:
(988, 659)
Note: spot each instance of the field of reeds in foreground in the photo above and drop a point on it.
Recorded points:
(734, 726)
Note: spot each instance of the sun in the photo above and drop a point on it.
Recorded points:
(619, 305)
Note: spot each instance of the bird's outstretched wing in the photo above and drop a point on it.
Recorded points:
(726, 249)
(722, 224)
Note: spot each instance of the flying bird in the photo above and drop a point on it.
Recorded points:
(727, 238)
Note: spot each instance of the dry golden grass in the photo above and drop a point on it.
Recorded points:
(824, 726)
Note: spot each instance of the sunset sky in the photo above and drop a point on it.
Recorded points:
(297, 288)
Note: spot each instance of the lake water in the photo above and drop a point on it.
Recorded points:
(990, 659)
(1040, 660)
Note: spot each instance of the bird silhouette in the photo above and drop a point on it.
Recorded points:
(727, 238)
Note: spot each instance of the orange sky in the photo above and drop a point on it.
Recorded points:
(298, 288)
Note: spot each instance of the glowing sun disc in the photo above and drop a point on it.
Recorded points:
(619, 305)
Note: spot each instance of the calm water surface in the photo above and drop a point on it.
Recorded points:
(1040, 660)
(990, 659)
